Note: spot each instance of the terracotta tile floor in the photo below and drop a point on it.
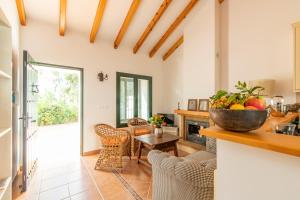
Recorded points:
(63, 174)
(137, 177)
(68, 181)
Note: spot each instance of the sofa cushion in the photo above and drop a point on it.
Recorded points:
(200, 155)
(211, 145)
(197, 173)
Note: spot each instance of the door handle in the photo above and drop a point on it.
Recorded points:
(25, 119)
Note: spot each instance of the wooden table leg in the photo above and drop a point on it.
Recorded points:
(175, 149)
(139, 152)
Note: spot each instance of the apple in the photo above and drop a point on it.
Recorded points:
(256, 102)
(250, 108)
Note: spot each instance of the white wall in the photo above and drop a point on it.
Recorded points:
(199, 52)
(250, 173)
(257, 41)
(191, 72)
(45, 45)
(173, 81)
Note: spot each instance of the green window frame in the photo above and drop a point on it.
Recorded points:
(135, 78)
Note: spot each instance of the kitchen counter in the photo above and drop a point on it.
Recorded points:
(257, 165)
(263, 137)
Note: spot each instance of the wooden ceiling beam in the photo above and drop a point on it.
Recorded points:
(173, 48)
(132, 10)
(21, 12)
(163, 7)
(173, 26)
(97, 20)
(62, 17)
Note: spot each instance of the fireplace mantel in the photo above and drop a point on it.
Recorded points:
(195, 114)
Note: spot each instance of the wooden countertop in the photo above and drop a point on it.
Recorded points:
(263, 137)
(192, 113)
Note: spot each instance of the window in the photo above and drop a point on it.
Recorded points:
(134, 97)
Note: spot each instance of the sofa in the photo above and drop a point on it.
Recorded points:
(184, 178)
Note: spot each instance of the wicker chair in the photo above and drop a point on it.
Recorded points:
(138, 126)
(115, 144)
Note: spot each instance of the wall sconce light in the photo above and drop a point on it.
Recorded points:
(102, 77)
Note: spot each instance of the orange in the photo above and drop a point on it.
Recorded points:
(237, 107)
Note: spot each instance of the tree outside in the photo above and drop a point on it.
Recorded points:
(58, 97)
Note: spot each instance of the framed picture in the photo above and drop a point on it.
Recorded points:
(203, 105)
(192, 104)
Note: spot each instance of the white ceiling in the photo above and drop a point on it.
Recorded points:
(80, 16)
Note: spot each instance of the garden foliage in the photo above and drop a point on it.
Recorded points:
(58, 104)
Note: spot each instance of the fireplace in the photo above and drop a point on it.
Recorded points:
(190, 122)
(192, 131)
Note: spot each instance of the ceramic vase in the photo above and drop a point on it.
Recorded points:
(158, 132)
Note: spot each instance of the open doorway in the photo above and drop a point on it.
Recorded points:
(52, 117)
(59, 114)
(52, 134)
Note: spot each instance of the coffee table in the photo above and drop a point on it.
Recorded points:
(149, 141)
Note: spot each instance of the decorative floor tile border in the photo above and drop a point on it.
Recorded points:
(127, 186)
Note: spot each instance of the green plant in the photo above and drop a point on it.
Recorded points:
(59, 101)
(51, 114)
(224, 99)
(156, 120)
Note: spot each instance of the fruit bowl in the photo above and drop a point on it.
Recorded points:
(238, 120)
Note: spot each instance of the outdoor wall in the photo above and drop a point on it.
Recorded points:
(257, 42)
(9, 9)
(192, 72)
(74, 49)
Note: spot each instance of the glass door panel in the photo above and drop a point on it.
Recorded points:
(126, 99)
(143, 99)
(29, 117)
(134, 97)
